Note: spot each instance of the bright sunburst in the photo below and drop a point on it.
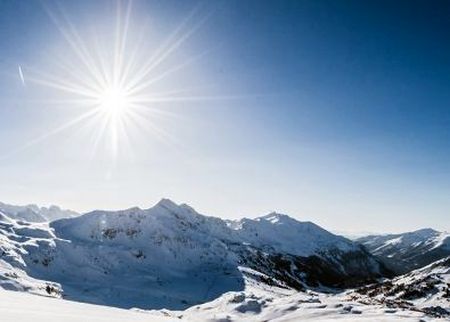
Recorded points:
(113, 78)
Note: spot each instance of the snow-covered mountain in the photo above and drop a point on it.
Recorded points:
(171, 256)
(302, 254)
(281, 233)
(34, 213)
(408, 251)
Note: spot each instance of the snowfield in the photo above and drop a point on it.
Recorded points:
(254, 304)
(23, 307)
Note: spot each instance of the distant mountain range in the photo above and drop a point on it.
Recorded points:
(33, 213)
(405, 252)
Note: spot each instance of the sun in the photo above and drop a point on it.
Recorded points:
(114, 101)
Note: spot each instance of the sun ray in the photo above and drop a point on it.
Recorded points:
(100, 129)
(76, 44)
(53, 132)
(152, 99)
(168, 47)
(147, 125)
(62, 86)
(144, 84)
(77, 75)
(156, 111)
(83, 52)
(120, 43)
(80, 87)
(133, 56)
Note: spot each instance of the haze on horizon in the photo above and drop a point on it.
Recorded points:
(331, 113)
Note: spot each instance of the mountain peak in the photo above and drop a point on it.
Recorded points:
(275, 218)
(425, 231)
(166, 203)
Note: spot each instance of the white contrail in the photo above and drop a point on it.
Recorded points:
(21, 75)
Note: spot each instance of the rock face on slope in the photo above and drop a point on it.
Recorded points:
(171, 256)
(405, 252)
(426, 289)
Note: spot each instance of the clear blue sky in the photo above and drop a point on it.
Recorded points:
(337, 112)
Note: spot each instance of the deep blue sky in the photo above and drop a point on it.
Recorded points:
(340, 113)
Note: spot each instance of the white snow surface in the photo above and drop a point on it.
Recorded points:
(258, 304)
(22, 307)
(255, 304)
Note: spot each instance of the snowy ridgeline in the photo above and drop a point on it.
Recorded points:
(402, 253)
(169, 256)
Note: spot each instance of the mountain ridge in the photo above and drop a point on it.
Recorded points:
(405, 252)
(152, 258)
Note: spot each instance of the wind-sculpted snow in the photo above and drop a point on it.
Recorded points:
(408, 251)
(169, 256)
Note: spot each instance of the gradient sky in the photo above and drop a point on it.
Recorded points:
(336, 112)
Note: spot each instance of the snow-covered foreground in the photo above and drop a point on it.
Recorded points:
(261, 302)
(23, 307)
(251, 305)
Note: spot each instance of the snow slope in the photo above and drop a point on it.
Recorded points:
(17, 239)
(257, 303)
(422, 295)
(22, 307)
(405, 252)
(426, 289)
